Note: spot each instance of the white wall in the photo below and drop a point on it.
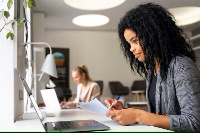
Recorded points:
(99, 50)
(11, 106)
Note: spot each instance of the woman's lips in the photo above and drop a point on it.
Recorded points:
(137, 54)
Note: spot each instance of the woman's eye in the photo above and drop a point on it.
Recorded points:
(135, 40)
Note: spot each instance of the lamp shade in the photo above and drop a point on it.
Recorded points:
(51, 84)
(49, 66)
(44, 78)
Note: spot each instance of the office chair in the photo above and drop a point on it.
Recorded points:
(117, 89)
(63, 93)
(100, 83)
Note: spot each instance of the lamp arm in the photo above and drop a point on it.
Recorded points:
(39, 43)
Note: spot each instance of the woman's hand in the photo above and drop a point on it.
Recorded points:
(63, 103)
(116, 105)
(71, 104)
(124, 116)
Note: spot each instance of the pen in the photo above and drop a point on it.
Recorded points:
(113, 102)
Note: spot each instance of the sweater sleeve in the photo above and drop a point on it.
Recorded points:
(187, 88)
(95, 92)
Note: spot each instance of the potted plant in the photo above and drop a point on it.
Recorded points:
(4, 15)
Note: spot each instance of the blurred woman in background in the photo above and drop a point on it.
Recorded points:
(87, 89)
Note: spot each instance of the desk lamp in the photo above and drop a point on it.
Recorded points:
(49, 67)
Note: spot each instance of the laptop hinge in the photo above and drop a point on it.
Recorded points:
(43, 121)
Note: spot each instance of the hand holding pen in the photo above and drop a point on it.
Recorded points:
(113, 102)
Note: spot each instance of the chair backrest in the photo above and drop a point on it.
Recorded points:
(63, 92)
(117, 88)
(138, 85)
(100, 83)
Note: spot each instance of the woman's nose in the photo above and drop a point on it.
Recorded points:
(132, 48)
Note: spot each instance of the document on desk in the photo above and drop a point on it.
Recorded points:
(94, 106)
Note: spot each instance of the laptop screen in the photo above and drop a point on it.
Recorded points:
(50, 99)
(32, 100)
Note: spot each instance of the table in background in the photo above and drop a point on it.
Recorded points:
(139, 95)
(139, 105)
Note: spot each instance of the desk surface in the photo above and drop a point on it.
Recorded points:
(78, 114)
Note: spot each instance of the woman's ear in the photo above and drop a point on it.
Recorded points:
(83, 75)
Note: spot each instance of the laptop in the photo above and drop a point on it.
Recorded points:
(51, 100)
(76, 125)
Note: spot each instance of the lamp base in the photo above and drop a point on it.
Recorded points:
(33, 115)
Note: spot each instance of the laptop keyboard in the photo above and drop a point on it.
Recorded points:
(65, 125)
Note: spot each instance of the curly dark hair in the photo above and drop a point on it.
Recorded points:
(158, 35)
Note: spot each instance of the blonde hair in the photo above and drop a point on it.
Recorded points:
(83, 69)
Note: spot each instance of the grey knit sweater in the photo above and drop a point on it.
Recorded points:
(179, 96)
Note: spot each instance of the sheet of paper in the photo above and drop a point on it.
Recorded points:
(94, 106)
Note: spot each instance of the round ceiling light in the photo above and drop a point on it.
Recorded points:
(186, 15)
(90, 20)
(93, 4)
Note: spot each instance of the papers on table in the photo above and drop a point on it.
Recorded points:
(94, 106)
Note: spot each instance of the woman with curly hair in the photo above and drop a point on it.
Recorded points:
(159, 50)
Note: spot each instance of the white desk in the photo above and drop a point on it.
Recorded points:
(78, 114)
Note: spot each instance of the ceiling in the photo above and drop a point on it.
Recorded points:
(58, 15)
